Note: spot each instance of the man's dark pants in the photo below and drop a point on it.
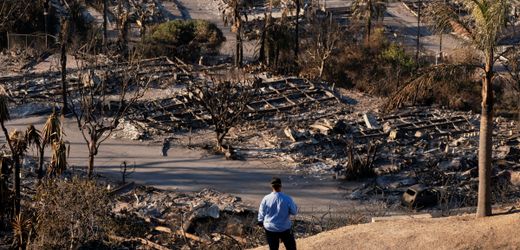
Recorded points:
(273, 239)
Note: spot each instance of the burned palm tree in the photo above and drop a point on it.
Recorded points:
(50, 134)
(22, 229)
(59, 158)
(18, 146)
(482, 28)
(33, 138)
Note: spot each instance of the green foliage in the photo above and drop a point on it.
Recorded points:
(187, 39)
(397, 57)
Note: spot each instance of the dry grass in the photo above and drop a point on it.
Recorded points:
(70, 214)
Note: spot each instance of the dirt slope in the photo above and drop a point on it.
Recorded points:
(460, 232)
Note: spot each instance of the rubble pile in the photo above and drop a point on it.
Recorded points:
(45, 87)
(145, 217)
(12, 61)
(440, 152)
(162, 219)
(287, 100)
(315, 129)
(175, 219)
(433, 147)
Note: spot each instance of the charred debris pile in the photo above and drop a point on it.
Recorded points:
(317, 130)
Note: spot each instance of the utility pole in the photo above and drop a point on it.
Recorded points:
(296, 42)
(64, 87)
(105, 24)
(418, 34)
(440, 56)
(440, 48)
(45, 16)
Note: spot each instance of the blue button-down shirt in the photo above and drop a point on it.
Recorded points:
(275, 210)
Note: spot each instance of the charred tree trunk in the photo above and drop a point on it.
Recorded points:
(261, 52)
(16, 172)
(124, 35)
(418, 45)
(40, 161)
(322, 66)
(17, 165)
(486, 141)
(238, 50)
(92, 152)
(296, 37)
(105, 23)
(63, 60)
(238, 26)
(220, 140)
(119, 12)
(438, 58)
(91, 155)
(369, 22)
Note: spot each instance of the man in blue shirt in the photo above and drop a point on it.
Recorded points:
(273, 215)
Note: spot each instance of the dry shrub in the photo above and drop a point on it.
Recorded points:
(360, 165)
(70, 214)
(316, 222)
(465, 55)
(378, 67)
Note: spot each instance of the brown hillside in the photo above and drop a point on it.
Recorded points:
(460, 232)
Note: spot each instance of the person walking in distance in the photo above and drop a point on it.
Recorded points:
(165, 147)
(273, 214)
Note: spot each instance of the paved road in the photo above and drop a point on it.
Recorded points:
(403, 23)
(192, 170)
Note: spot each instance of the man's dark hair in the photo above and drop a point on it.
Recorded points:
(276, 182)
